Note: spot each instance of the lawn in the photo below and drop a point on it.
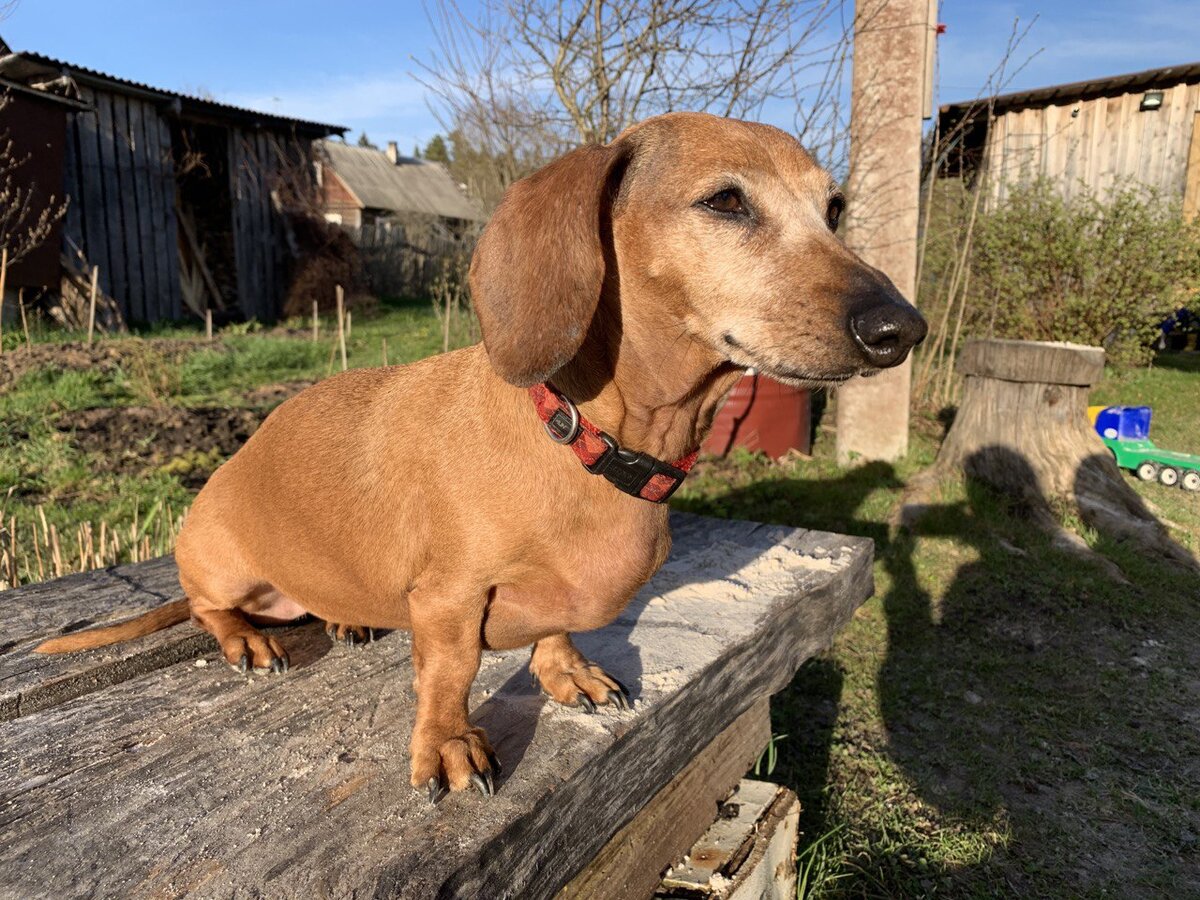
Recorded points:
(999, 720)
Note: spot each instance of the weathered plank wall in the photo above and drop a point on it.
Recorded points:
(1109, 141)
(121, 182)
(258, 230)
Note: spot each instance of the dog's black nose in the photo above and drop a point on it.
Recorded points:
(886, 332)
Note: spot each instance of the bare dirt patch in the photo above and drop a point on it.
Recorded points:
(190, 443)
(102, 356)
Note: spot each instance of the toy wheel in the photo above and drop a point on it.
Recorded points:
(1168, 476)
(1190, 480)
(1147, 471)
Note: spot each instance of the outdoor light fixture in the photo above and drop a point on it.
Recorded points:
(1151, 100)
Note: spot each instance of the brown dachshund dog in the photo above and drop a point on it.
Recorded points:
(641, 278)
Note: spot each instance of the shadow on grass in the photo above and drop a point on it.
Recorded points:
(1004, 719)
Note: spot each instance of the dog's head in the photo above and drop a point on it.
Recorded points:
(713, 228)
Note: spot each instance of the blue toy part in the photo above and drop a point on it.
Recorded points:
(1124, 423)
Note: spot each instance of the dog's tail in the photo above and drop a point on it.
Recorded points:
(147, 623)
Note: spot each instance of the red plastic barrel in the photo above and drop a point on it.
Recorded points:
(762, 414)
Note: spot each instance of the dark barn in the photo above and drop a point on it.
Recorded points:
(183, 203)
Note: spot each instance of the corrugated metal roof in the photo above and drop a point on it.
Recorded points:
(408, 185)
(25, 65)
(1061, 94)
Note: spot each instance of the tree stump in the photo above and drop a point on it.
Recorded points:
(1022, 427)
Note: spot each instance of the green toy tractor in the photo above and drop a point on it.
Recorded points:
(1125, 430)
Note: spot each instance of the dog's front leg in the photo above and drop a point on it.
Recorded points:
(568, 677)
(445, 748)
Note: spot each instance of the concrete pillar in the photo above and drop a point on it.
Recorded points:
(888, 101)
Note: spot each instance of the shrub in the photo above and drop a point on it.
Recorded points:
(1102, 271)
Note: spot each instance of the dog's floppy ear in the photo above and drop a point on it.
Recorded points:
(538, 268)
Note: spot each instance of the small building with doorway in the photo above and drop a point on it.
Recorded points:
(182, 202)
(363, 188)
(1142, 127)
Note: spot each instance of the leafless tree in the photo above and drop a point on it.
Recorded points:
(26, 219)
(523, 80)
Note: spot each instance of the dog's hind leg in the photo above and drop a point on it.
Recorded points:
(242, 645)
(568, 677)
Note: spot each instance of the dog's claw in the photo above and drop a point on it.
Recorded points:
(586, 702)
(433, 789)
(244, 663)
(276, 665)
(619, 700)
(370, 635)
(494, 761)
(482, 784)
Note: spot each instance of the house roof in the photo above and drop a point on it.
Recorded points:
(1060, 94)
(407, 185)
(32, 68)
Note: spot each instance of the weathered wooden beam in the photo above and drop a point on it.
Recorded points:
(631, 865)
(195, 780)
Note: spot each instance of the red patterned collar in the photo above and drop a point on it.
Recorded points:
(637, 474)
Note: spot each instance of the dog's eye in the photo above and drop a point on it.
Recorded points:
(834, 213)
(728, 202)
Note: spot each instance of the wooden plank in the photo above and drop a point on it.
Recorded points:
(631, 865)
(135, 250)
(746, 855)
(72, 189)
(204, 782)
(1171, 176)
(149, 198)
(1191, 189)
(241, 226)
(170, 226)
(113, 203)
(30, 615)
(266, 226)
(91, 174)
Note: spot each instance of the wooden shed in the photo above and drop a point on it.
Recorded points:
(182, 202)
(1141, 127)
(362, 186)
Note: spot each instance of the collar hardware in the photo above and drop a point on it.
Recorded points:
(630, 471)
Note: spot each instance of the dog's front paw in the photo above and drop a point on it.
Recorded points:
(584, 685)
(463, 762)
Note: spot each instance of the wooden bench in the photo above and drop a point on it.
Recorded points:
(151, 769)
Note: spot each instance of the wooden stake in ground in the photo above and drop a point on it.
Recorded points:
(92, 303)
(3, 279)
(316, 324)
(349, 323)
(24, 321)
(341, 323)
(208, 324)
(1022, 427)
(383, 350)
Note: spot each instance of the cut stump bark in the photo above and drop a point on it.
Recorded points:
(1022, 427)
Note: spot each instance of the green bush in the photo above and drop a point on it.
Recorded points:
(1101, 271)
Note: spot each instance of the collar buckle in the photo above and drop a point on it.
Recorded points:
(630, 470)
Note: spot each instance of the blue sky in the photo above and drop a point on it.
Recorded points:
(351, 63)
